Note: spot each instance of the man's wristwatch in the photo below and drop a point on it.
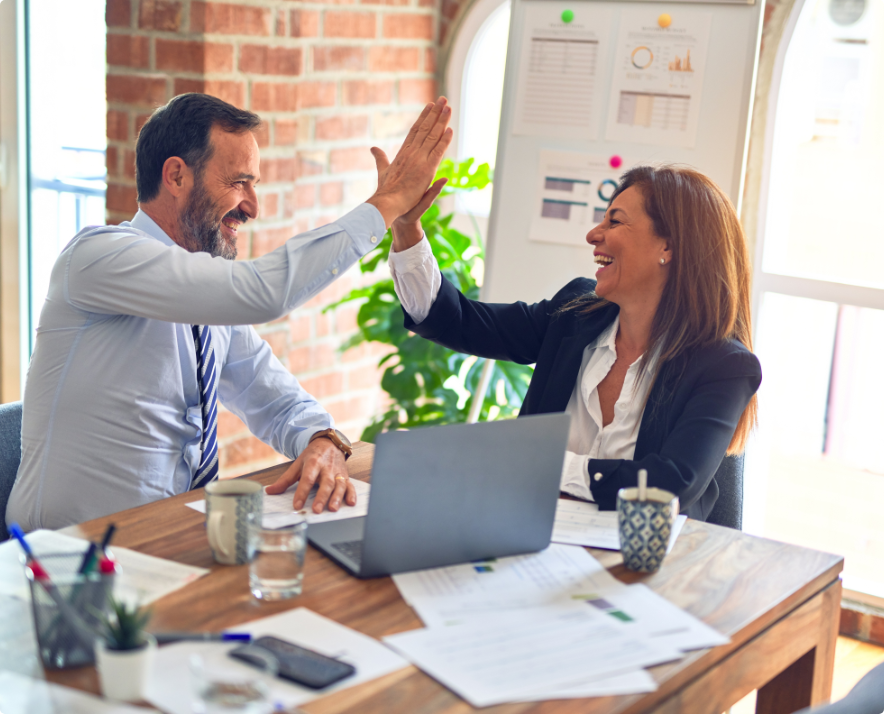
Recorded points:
(338, 439)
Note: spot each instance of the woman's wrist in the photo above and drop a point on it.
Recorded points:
(406, 235)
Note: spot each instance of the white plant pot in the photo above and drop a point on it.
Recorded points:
(124, 674)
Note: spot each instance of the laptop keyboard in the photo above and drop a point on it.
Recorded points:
(350, 548)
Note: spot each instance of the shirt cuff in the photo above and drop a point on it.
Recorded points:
(416, 279)
(411, 258)
(575, 476)
(365, 225)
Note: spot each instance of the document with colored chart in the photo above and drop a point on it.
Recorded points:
(657, 86)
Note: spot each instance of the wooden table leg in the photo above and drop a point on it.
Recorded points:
(808, 680)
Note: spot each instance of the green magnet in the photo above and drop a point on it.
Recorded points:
(567, 16)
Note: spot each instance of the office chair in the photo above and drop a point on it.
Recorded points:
(10, 456)
(866, 697)
(728, 509)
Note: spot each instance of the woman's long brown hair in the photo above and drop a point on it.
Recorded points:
(707, 295)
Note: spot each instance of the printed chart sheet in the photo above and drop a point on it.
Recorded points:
(562, 70)
(657, 82)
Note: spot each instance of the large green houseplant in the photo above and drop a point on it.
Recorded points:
(429, 384)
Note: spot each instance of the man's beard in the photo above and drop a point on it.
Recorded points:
(201, 231)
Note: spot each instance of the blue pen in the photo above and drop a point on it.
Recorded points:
(167, 637)
(19, 535)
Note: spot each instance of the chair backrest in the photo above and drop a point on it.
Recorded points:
(10, 456)
(728, 509)
(866, 697)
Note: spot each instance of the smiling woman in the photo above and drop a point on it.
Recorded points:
(652, 359)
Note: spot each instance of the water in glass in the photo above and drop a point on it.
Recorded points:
(277, 568)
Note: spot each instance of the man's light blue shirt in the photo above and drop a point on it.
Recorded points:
(112, 403)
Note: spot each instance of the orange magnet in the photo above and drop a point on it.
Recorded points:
(664, 20)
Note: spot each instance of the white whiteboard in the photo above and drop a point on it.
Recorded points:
(518, 268)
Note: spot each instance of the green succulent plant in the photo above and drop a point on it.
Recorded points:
(123, 627)
(429, 384)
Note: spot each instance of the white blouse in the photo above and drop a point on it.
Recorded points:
(417, 280)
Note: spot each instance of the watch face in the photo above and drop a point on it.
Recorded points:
(846, 12)
(343, 438)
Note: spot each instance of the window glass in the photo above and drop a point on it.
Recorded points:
(67, 129)
(481, 99)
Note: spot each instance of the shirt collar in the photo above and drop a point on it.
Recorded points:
(608, 338)
(146, 224)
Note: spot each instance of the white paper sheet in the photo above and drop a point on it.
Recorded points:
(581, 523)
(658, 72)
(144, 578)
(572, 194)
(278, 508)
(170, 685)
(636, 682)
(562, 71)
(492, 664)
(23, 695)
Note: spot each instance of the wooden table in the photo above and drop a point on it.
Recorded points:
(778, 603)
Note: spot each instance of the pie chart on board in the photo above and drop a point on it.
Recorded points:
(642, 57)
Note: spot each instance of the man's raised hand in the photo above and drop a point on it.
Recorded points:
(403, 182)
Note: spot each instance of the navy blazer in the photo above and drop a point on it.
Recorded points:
(691, 413)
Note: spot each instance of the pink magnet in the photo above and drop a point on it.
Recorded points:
(615, 161)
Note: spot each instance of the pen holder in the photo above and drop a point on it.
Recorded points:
(67, 611)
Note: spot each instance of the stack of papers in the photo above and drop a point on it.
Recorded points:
(581, 523)
(170, 687)
(143, 578)
(278, 511)
(23, 695)
(546, 625)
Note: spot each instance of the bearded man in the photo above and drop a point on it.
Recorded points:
(146, 325)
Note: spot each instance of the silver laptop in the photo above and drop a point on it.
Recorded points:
(452, 494)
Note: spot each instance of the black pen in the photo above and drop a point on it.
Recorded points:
(108, 534)
(164, 638)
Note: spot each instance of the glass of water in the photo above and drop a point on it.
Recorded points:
(276, 571)
(222, 685)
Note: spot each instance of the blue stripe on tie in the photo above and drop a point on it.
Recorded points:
(206, 374)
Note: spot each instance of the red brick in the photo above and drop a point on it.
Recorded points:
(364, 377)
(392, 124)
(266, 240)
(300, 328)
(139, 90)
(350, 409)
(304, 23)
(279, 343)
(331, 193)
(279, 169)
(260, 59)
(280, 23)
(367, 92)
(330, 384)
(349, 24)
(230, 19)
(193, 56)
(351, 159)
(244, 451)
(311, 163)
(112, 161)
(140, 121)
(346, 319)
(288, 131)
(230, 424)
(326, 59)
(426, 3)
(129, 164)
(408, 26)
(270, 205)
(393, 59)
(118, 13)
(323, 319)
(317, 94)
(117, 125)
(417, 91)
(385, 2)
(304, 195)
(231, 92)
(262, 134)
(450, 9)
(274, 97)
(128, 51)
(344, 126)
(160, 15)
(121, 198)
(430, 60)
(311, 358)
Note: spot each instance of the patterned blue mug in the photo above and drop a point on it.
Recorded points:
(645, 527)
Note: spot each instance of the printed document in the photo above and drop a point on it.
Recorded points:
(23, 695)
(278, 510)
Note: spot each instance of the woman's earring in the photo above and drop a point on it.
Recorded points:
(662, 261)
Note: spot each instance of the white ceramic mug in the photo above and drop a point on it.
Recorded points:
(230, 507)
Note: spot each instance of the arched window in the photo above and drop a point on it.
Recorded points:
(475, 87)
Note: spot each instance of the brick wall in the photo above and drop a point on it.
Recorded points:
(330, 79)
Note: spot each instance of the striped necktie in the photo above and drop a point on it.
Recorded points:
(207, 374)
